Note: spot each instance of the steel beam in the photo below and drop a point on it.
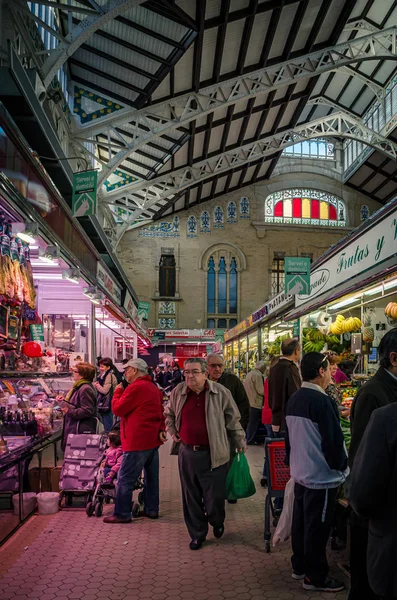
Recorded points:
(336, 125)
(149, 123)
(81, 33)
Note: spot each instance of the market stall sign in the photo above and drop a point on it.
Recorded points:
(108, 283)
(129, 305)
(37, 333)
(296, 329)
(84, 200)
(296, 275)
(367, 252)
(182, 333)
(143, 310)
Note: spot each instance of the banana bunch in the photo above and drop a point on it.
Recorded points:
(342, 325)
(314, 335)
(332, 340)
(313, 346)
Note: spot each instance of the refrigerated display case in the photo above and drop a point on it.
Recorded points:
(243, 357)
(253, 350)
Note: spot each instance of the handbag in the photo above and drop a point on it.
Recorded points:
(104, 401)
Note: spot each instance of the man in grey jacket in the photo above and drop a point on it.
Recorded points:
(203, 420)
(255, 388)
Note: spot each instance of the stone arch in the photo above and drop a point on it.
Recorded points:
(231, 248)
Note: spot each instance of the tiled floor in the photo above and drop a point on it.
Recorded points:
(70, 556)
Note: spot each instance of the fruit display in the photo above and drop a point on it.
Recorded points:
(342, 325)
(391, 310)
(274, 349)
(348, 393)
(368, 331)
(313, 340)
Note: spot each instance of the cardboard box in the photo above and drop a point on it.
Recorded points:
(55, 475)
(34, 482)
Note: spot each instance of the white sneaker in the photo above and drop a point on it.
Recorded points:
(297, 576)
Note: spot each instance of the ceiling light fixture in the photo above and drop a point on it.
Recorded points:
(72, 275)
(30, 233)
(94, 295)
(49, 255)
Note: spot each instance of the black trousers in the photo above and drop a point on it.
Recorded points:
(253, 424)
(359, 585)
(311, 525)
(203, 491)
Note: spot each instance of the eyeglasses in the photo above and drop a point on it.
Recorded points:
(192, 373)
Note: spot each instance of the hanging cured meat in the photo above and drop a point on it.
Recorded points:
(16, 277)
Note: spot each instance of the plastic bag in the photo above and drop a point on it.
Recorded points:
(239, 483)
(284, 525)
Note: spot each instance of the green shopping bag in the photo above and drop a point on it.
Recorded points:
(239, 483)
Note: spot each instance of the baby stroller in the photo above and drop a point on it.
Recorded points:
(105, 493)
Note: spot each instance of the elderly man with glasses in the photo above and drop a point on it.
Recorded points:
(216, 372)
(203, 420)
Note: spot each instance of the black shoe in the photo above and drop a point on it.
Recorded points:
(196, 544)
(218, 531)
(149, 515)
(329, 585)
(264, 482)
(232, 501)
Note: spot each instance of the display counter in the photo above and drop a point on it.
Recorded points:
(15, 478)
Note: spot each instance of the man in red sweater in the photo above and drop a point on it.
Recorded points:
(142, 431)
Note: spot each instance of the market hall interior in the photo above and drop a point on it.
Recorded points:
(180, 178)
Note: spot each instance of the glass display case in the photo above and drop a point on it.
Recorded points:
(243, 357)
(30, 423)
(253, 350)
(235, 357)
(227, 356)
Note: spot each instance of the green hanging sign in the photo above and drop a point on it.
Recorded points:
(37, 333)
(84, 201)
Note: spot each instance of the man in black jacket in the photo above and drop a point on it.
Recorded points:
(380, 391)
(374, 477)
(216, 373)
(284, 380)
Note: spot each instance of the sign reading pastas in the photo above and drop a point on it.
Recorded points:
(37, 333)
(296, 275)
(84, 201)
(366, 252)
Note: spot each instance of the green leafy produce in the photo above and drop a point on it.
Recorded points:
(345, 425)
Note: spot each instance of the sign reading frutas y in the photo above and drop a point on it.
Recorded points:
(84, 201)
(297, 275)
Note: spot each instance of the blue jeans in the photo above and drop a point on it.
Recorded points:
(107, 420)
(131, 467)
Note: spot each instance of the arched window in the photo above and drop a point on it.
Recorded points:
(222, 264)
(301, 206)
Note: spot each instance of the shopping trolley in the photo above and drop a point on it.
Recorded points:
(278, 475)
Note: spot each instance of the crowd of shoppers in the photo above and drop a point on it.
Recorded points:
(207, 416)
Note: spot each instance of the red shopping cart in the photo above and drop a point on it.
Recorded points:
(278, 475)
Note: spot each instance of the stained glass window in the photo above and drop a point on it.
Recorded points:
(211, 286)
(305, 207)
(222, 290)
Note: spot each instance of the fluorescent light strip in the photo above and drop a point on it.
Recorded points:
(47, 276)
(344, 303)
